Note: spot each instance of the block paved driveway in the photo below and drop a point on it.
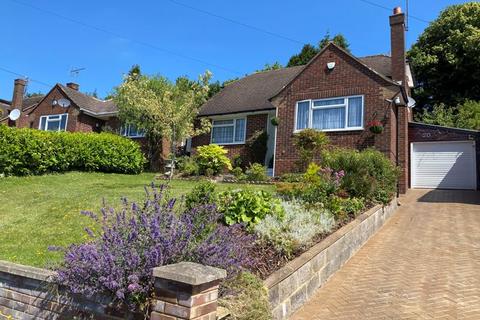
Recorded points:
(423, 264)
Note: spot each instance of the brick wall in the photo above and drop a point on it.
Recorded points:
(346, 79)
(26, 293)
(419, 132)
(255, 122)
(182, 291)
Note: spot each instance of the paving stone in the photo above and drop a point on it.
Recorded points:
(422, 264)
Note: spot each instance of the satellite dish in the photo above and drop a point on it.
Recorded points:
(14, 114)
(64, 103)
(411, 102)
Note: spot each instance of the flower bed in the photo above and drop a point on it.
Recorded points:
(242, 231)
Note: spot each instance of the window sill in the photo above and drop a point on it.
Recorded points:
(333, 130)
(229, 144)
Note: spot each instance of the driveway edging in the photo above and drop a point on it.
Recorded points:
(291, 286)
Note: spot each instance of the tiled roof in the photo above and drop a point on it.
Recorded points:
(380, 63)
(250, 93)
(89, 103)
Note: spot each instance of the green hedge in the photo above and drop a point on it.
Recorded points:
(29, 151)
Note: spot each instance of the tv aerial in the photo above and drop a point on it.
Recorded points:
(74, 72)
(14, 114)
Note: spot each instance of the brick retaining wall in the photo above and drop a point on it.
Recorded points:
(290, 287)
(27, 293)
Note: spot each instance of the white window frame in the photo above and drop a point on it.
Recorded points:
(234, 130)
(127, 128)
(345, 105)
(47, 120)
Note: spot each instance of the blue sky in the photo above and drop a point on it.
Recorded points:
(172, 39)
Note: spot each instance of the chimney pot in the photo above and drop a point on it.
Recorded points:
(397, 10)
(18, 92)
(73, 85)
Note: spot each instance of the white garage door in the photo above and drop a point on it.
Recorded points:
(448, 165)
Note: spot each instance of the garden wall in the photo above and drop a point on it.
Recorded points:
(182, 291)
(290, 287)
(26, 293)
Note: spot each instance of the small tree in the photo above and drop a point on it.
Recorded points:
(161, 108)
(310, 143)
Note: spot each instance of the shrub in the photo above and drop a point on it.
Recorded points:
(291, 177)
(238, 173)
(29, 151)
(201, 194)
(256, 172)
(188, 166)
(257, 146)
(131, 242)
(237, 161)
(212, 159)
(247, 299)
(368, 174)
(247, 207)
(310, 143)
(296, 229)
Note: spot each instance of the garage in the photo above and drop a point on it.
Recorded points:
(445, 165)
(443, 158)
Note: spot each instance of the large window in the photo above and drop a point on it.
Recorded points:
(330, 114)
(130, 131)
(54, 122)
(230, 131)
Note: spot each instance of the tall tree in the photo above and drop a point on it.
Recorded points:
(338, 39)
(446, 57)
(309, 51)
(162, 108)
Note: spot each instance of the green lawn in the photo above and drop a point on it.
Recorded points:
(39, 211)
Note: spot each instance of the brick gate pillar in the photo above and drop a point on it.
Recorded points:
(186, 290)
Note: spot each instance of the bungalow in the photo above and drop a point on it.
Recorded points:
(65, 108)
(340, 94)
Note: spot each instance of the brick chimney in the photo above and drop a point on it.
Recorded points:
(73, 85)
(397, 37)
(18, 92)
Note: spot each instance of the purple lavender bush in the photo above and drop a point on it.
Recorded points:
(132, 241)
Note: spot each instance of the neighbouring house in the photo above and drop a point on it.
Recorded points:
(65, 108)
(340, 94)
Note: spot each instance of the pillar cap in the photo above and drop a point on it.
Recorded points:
(189, 273)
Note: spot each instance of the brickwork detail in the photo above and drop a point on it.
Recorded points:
(26, 293)
(181, 297)
(348, 78)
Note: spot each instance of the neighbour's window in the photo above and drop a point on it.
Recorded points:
(230, 131)
(330, 114)
(54, 122)
(131, 131)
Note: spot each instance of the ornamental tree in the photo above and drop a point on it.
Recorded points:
(162, 108)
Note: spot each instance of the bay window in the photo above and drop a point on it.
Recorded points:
(231, 131)
(53, 122)
(334, 114)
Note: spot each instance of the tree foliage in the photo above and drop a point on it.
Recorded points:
(466, 115)
(446, 57)
(309, 51)
(162, 108)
